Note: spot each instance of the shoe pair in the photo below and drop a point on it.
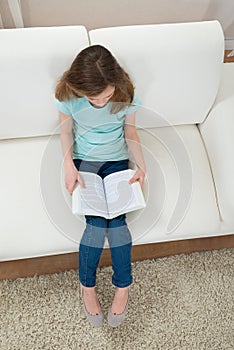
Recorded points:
(114, 320)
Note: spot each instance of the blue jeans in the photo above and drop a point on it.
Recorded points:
(97, 228)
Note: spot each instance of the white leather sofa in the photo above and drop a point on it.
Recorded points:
(186, 128)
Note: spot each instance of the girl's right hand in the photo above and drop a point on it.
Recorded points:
(72, 176)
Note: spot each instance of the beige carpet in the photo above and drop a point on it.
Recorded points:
(184, 302)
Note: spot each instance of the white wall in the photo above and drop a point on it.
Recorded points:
(106, 13)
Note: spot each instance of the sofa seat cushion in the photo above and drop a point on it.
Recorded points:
(28, 229)
(36, 210)
(179, 190)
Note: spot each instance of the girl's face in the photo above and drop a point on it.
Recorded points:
(102, 99)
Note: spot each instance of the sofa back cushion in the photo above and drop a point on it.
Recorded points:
(31, 61)
(176, 67)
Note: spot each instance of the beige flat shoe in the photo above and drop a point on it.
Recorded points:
(95, 320)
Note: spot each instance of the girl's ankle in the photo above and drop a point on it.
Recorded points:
(89, 288)
(118, 289)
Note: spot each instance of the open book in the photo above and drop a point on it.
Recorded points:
(108, 197)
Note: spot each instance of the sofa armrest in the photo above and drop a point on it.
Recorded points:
(217, 133)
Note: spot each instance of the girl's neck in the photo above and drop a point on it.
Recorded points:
(98, 107)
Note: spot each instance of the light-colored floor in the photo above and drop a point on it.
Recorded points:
(183, 302)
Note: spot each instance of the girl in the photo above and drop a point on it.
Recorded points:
(97, 104)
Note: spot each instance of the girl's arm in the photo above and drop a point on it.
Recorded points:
(134, 147)
(66, 135)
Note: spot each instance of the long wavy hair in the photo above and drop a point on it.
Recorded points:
(93, 69)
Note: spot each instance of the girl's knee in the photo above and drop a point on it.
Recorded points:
(119, 236)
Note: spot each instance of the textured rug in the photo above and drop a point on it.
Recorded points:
(183, 302)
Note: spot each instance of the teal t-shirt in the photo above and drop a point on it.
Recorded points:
(98, 134)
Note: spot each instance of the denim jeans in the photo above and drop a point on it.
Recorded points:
(97, 228)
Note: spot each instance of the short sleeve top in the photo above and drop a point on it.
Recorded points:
(98, 134)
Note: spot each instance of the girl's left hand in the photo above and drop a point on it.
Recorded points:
(138, 176)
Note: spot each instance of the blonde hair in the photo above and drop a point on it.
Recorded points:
(93, 69)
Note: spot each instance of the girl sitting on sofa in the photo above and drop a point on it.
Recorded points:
(97, 104)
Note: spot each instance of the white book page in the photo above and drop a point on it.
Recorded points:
(121, 196)
(92, 197)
